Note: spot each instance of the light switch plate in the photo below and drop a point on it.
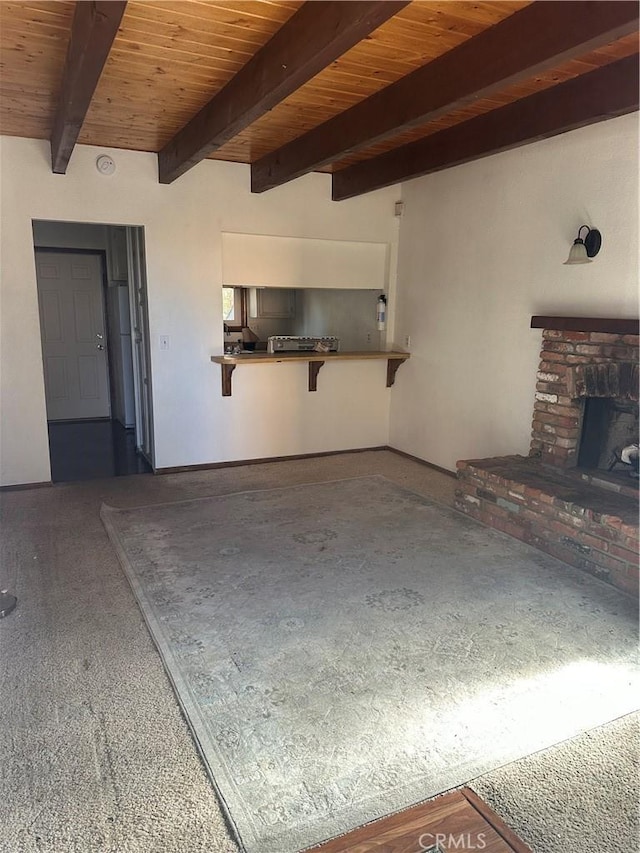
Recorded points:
(164, 341)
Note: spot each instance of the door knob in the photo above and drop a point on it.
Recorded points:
(99, 346)
(99, 336)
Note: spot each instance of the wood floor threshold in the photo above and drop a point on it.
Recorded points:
(458, 821)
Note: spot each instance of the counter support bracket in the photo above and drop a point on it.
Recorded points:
(392, 367)
(314, 369)
(227, 370)
(229, 362)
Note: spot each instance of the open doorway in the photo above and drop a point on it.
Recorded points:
(94, 331)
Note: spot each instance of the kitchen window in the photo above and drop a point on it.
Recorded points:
(234, 308)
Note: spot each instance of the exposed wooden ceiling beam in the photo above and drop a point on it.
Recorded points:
(537, 38)
(605, 93)
(315, 36)
(93, 30)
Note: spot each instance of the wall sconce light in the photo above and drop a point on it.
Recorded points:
(583, 250)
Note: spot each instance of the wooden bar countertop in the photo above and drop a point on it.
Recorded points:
(266, 357)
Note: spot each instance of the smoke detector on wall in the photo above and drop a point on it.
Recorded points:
(105, 165)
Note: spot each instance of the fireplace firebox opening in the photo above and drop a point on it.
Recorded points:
(609, 429)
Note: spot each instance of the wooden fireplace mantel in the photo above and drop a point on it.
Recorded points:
(613, 326)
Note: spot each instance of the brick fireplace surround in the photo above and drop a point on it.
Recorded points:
(586, 519)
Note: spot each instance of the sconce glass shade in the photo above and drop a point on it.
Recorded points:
(578, 254)
(583, 250)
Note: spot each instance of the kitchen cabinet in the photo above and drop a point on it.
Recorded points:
(271, 303)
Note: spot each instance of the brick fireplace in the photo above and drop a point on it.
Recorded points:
(562, 498)
(576, 366)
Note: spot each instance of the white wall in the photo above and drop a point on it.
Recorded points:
(481, 250)
(270, 413)
(272, 261)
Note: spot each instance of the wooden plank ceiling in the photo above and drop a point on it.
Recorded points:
(167, 62)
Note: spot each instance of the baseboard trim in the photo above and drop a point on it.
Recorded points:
(424, 462)
(213, 466)
(21, 487)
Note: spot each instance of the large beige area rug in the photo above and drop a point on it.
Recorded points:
(343, 650)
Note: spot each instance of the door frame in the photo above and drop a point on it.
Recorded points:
(140, 342)
(102, 255)
(138, 291)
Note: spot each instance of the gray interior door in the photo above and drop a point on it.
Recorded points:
(74, 345)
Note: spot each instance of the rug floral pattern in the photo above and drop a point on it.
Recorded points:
(342, 650)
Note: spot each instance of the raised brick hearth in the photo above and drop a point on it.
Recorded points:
(587, 521)
(584, 525)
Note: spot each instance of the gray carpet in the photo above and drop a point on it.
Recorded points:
(343, 649)
(575, 797)
(94, 753)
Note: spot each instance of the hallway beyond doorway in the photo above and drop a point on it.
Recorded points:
(91, 449)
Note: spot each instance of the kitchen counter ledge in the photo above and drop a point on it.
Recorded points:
(315, 360)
